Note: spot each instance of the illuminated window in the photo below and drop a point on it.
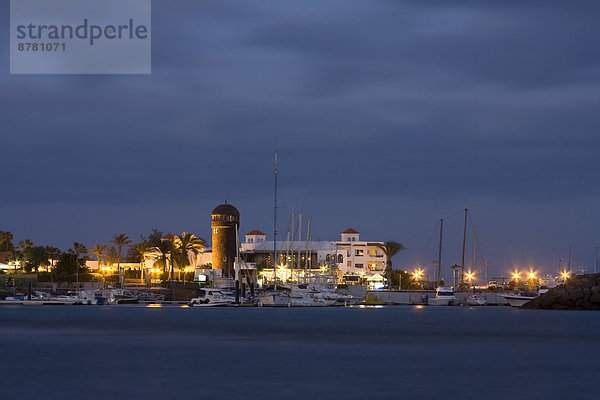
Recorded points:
(360, 252)
(358, 265)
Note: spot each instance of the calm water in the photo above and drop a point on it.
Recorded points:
(134, 352)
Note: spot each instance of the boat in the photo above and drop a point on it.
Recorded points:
(476, 299)
(444, 296)
(275, 299)
(518, 299)
(210, 298)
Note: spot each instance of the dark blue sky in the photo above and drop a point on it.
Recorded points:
(388, 115)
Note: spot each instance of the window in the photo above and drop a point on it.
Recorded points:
(250, 240)
(358, 265)
(349, 263)
(349, 239)
(360, 252)
(354, 239)
(340, 259)
(326, 257)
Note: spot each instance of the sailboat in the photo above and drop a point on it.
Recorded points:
(275, 298)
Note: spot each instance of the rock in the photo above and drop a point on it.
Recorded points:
(576, 293)
(595, 298)
(581, 292)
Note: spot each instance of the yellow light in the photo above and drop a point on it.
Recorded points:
(532, 275)
(154, 305)
(470, 275)
(565, 275)
(417, 274)
(516, 275)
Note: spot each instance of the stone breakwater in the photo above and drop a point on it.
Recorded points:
(580, 292)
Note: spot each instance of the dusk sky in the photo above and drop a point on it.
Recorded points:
(387, 115)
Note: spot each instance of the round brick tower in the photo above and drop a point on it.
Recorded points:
(225, 223)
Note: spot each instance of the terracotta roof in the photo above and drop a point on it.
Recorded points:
(256, 232)
(225, 209)
(350, 230)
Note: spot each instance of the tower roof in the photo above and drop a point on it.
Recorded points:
(350, 230)
(225, 209)
(256, 232)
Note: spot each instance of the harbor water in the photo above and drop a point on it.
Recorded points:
(405, 352)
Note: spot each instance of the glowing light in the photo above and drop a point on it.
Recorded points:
(565, 275)
(532, 275)
(154, 306)
(470, 276)
(417, 274)
(516, 275)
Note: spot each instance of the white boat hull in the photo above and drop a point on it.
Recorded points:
(275, 300)
(516, 300)
(436, 301)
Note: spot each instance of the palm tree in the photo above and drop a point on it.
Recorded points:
(141, 249)
(390, 249)
(184, 245)
(6, 238)
(53, 254)
(99, 250)
(162, 254)
(78, 250)
(120, 241)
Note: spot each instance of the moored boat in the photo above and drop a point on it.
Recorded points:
(519, 299)
(444, 296)
(476, 299)
(210, 298)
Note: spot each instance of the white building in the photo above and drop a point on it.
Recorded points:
(361, 257)
(354, 258)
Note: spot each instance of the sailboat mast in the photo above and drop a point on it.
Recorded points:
(462, 264)
(292, 249)
(439, 270)
(299, 236)
(306, 261)
(275, 227)
(474, 249)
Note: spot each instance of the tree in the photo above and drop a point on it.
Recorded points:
(53, 254)
(182, 247)
(141, 249)
(69, 266)
(79, 250)
(120, 241)
(6, 238)
(390, 249)
(25, 248)
(162, 254)
(99, 250)
(37, 256)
